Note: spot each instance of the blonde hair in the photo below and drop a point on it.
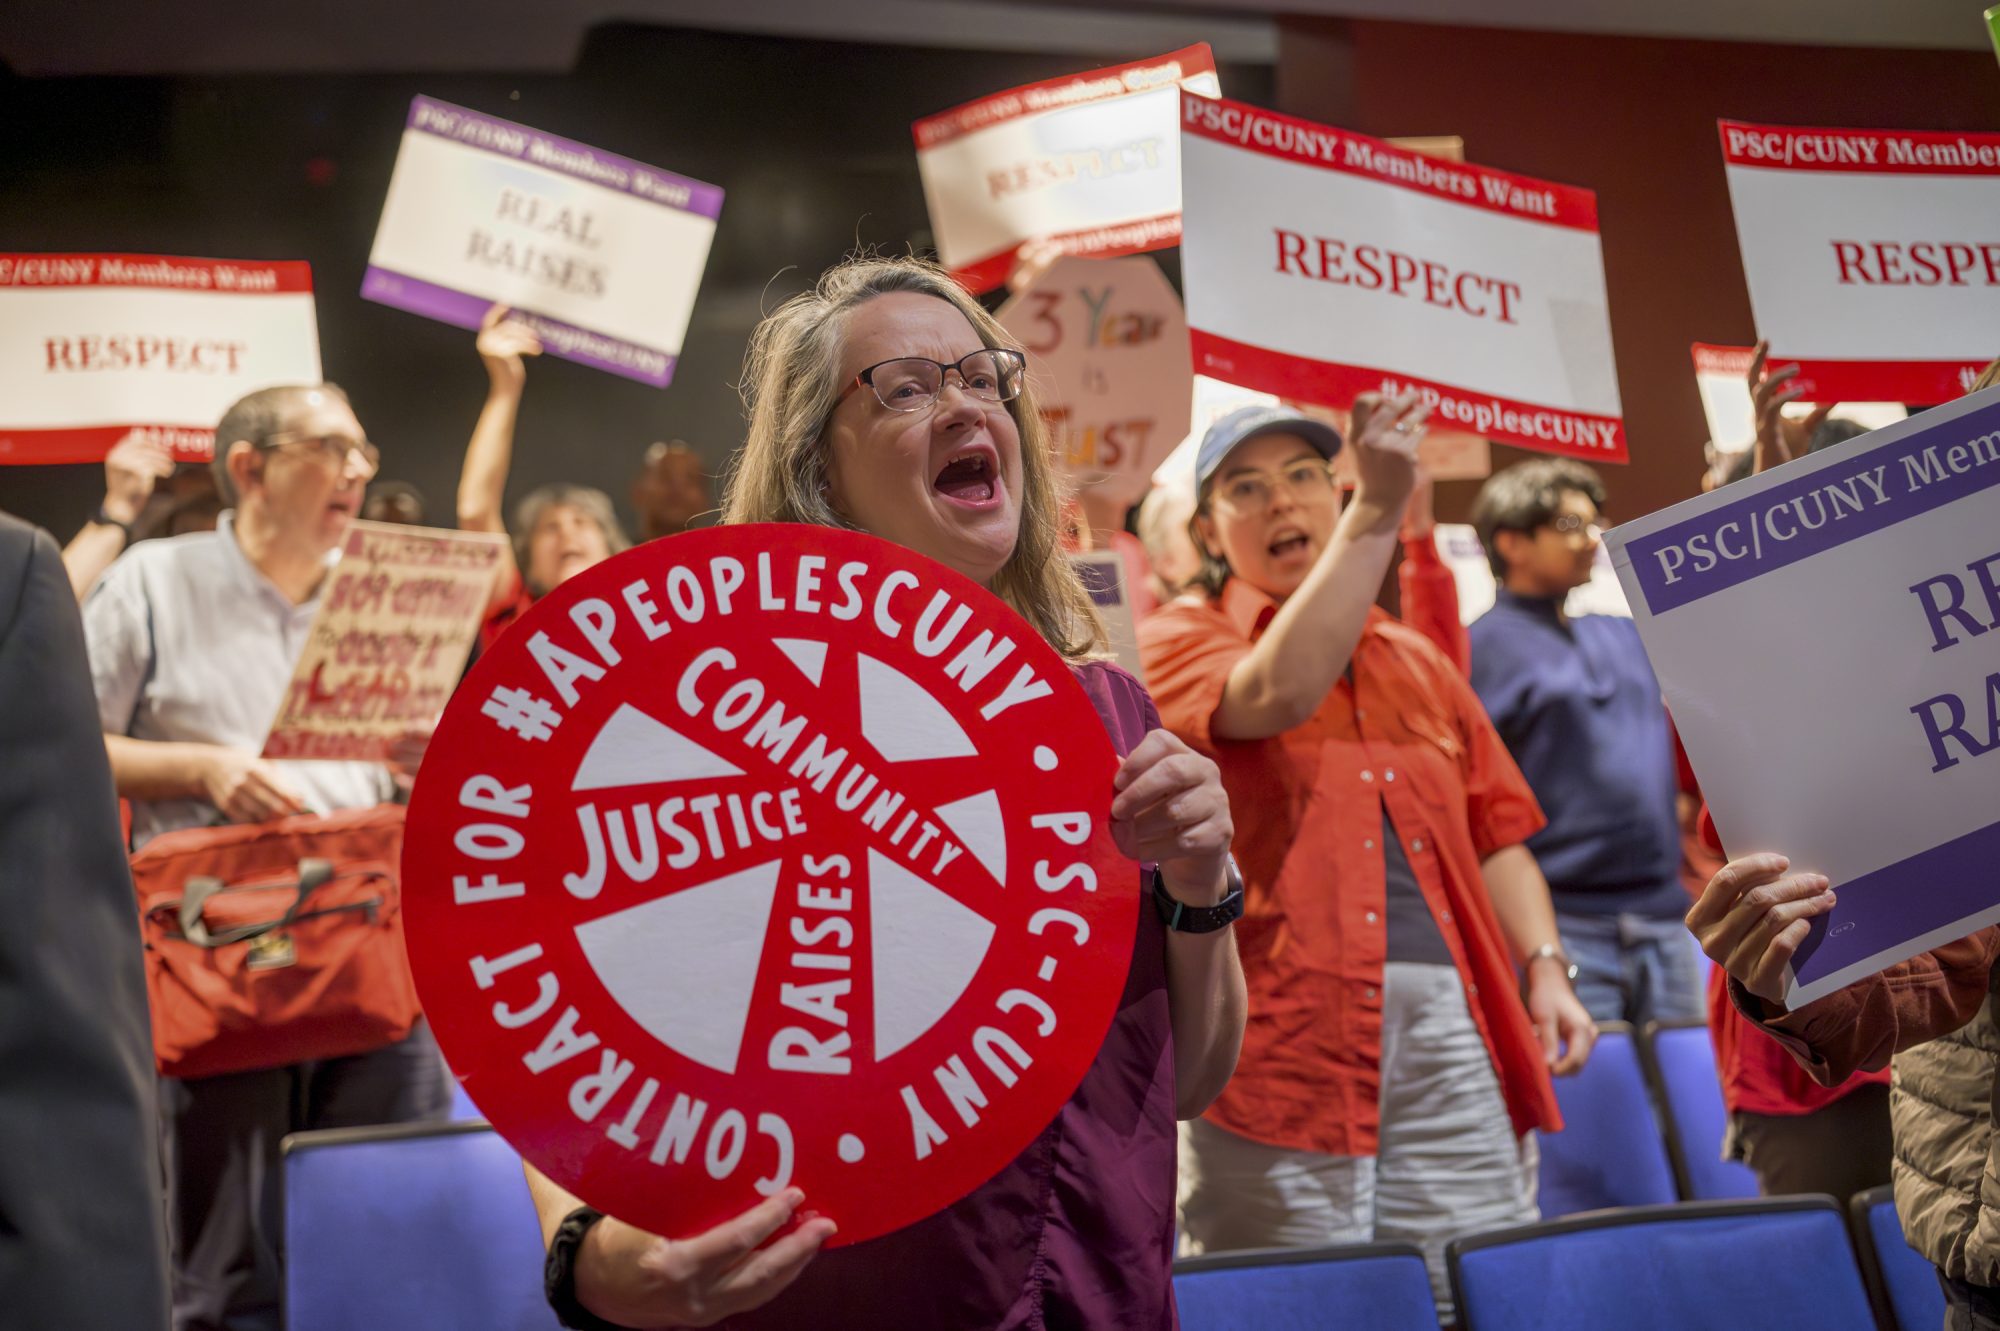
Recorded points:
(1987, 378)
(791, 383)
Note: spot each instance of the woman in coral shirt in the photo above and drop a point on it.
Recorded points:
(1391, 1068)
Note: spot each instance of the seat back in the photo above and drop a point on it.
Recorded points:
(425, 1226)
(1694, 1266)
(1902, 1279)
(1610, 1151)
(1382, 1286)
(1680, 1058)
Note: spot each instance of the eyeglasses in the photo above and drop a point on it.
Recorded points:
(330, 448)
(1253, 491)
(1569, 524)
(913, 383)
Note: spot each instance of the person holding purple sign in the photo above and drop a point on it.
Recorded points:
(1934, 1014)
(886, 400)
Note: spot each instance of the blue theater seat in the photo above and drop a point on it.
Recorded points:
(1610, 1151)
(1693, 1266)
(1381, 1286)
(424, 1226)
(1681, 1059)
(1904, 1282)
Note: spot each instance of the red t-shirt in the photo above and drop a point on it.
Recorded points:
(509, 603)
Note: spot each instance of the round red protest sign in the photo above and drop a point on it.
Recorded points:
(768, 856)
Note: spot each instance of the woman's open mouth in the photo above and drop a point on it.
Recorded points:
(1288, 544)
(970, 478)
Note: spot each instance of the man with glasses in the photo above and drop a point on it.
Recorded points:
(1577, 704)
(192, 641)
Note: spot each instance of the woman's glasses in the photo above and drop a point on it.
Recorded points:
(913, 383)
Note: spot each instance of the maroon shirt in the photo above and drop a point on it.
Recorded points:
(1078, 1230)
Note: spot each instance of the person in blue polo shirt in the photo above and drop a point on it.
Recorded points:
(1577, 704)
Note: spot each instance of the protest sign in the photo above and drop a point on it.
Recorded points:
(1721, 376)
(1873, 256)
(1103, 574)
(1821, 633)
(1107, 352)
(1089, 164)
(388, 642)
(769, 855)
(1319, 264)
(95, 346)
(599, 254)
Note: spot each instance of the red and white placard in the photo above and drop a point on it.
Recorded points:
(769, 855)
(1089, 163)
(93, 346)
(1319, 264)
(1873, 256)
(1107, 352)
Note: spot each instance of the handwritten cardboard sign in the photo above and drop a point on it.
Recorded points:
(1107, 348)
(94, 346)
(599, 254)
(765, 855)
(388, 643)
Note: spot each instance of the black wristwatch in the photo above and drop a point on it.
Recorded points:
(103, 519)
(1183, 918)
(559, 1272)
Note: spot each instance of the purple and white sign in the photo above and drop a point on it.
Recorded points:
(600, 254)
(1827, 636)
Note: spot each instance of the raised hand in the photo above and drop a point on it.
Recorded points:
(1779, 437)
(131, 469)
(503, 343)
(1384, 434)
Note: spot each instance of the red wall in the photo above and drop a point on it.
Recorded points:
(1634, 119)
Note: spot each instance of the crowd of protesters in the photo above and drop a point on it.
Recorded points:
(1405, 866)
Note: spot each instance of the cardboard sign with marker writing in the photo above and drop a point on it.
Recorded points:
(388, 641)
(1107, 348)
(769, 855)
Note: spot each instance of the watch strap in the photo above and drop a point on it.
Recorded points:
(559, 1272)
(103, 519)
(1183, 918)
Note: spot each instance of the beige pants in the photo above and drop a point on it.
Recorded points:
(1448, 1163)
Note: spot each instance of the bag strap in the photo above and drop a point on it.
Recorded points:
(312, 873)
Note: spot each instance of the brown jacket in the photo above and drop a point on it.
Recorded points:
(1935, 1014)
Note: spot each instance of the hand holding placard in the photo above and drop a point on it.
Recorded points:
(1752, 917)
(503, 342)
